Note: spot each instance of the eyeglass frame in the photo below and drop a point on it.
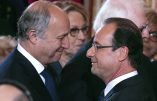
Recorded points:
(76, 31)
(96, 47)
(151, 34)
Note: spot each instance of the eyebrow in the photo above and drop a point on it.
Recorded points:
(63, 35)
(75, 26)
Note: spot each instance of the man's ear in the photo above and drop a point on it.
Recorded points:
(32, 36)
(123, 53)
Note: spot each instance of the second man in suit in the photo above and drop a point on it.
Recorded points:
(115, 56)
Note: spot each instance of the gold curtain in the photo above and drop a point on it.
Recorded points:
(151, 4)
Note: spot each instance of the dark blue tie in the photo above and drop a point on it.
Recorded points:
(50, 84)
(101, 96)
(107, 97)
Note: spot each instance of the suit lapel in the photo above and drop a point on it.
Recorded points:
(35, 80)
(122, 85)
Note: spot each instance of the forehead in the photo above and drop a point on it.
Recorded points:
(59, 22)
(76, 18)
(105, 33)
(153, 27)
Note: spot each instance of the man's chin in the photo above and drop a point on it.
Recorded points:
(93, 70)
(55, 58)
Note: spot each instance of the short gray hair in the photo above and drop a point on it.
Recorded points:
(34, 19)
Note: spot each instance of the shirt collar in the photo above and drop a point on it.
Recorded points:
(37, 65)
(114, 82)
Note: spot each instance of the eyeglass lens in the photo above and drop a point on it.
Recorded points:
(74, 31)
(152, 35)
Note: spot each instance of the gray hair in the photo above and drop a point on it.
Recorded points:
(34, 18)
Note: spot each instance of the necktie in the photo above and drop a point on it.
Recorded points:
(50, 84)
(101, 96)
(107, 97)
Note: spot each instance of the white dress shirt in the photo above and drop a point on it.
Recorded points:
(37, 65)
(114, 82)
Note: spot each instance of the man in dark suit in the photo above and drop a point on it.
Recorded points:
(115, 56)
(76, 79)
(77, 82)
(42, 37)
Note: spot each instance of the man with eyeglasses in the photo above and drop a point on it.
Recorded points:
(80, 65)
(133, 10)
(115, 56)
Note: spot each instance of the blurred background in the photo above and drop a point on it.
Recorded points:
(10, 11)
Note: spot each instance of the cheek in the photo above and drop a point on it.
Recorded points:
(154, 45)
(151, 46)
(154, 49)
(52, 48)
(72, 39)
(72, 42)
(105, 61)
(56, 44)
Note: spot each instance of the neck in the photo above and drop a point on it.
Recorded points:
(120, 71)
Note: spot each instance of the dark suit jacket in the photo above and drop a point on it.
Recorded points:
(154, 76)
(18, 68)
(78, 84)
(77, 81)
(148, 70)
(131, 89)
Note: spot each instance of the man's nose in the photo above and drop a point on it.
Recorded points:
(65, 42)
(90, 52)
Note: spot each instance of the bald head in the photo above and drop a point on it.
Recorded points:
(37, 17)
(130, 9)
(11, 93)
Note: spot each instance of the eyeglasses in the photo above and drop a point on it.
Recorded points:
(96, 47)
(75, 31)
(152, 35)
